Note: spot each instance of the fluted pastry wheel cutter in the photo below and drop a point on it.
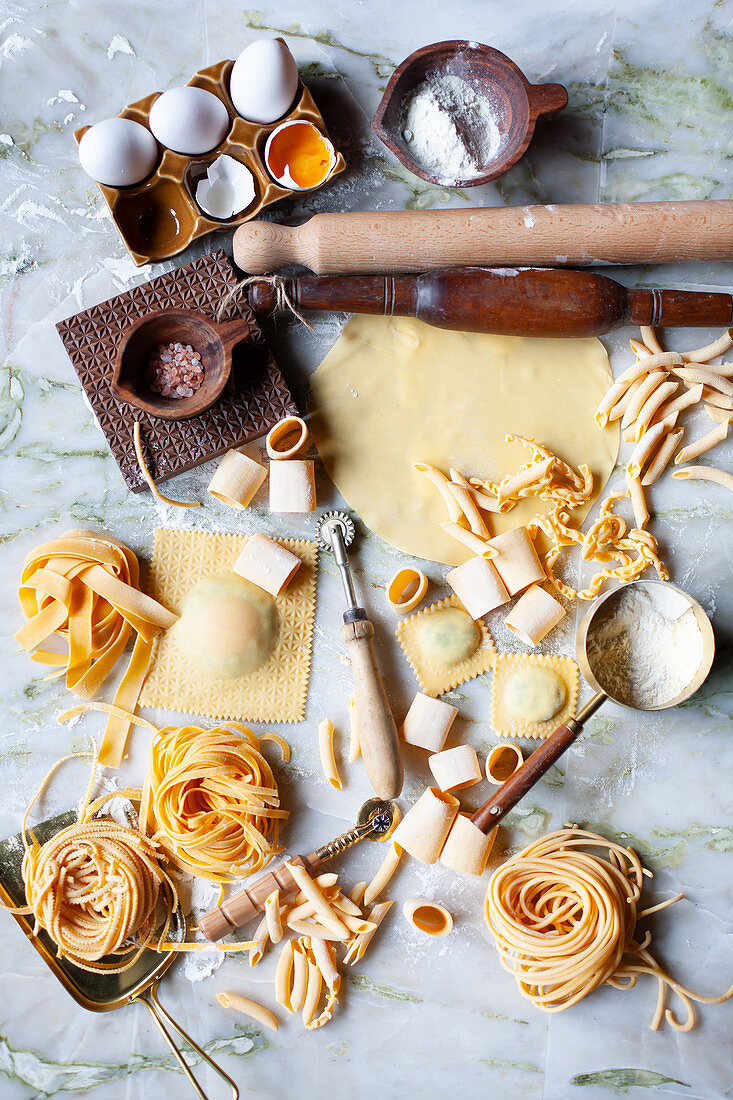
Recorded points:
(377, 730)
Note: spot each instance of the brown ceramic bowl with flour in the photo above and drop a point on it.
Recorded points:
(515, 103)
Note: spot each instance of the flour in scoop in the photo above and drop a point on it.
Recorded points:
(448, 129)
(645, 646)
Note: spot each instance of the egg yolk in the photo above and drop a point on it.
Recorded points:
(301, 152)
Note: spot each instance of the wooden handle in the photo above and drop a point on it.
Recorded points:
(530, 302)
(380, 747)
(233, 332)
(515, 788)
(245, 905)
(421, 240)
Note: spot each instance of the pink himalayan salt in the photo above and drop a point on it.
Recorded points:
(174, 370)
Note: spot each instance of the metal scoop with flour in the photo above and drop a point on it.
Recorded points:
(618, 670)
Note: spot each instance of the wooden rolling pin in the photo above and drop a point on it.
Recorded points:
(373, 241)
(510, 302)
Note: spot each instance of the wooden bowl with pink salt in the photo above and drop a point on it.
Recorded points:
(175, 363)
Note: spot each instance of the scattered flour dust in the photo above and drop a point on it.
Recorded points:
(449, 129)
(645, 645)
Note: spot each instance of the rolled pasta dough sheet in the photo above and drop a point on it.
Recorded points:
(393, 391)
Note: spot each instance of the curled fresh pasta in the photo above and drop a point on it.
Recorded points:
(407, 589)
(84, 589)
(211, 800)
(563, 914)
(325, 748)
(148, 477)
(249, 1008)
(236, 479)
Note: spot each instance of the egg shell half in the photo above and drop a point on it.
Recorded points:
(264, 81)
(189, 120)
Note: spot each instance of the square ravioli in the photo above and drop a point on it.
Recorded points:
(445, 646)
(533, 695)
(273, 692)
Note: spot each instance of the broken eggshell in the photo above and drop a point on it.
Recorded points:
(227, 190)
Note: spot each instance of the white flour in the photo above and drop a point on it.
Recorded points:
(448, 129)
(645, 646)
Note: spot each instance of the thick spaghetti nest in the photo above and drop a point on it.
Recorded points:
(564, 922)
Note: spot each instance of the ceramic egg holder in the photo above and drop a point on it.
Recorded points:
(159, 217)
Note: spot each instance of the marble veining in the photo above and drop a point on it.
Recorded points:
(649, 117)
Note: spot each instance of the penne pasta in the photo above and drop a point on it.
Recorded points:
(358, 946)
(708, 377)
(611, 396)
(357, 924)
(440, 481)
(652, 404)
(323, 909)
(346, 905)
(720, 416)
(513, 484)
(300, 977)
(677, 404)
(648, 386)
(660, 460)
(649, 363)
(325, 748)
(712, 397)
(618, 410)
(389, 865)
(272, 916)
(468, 538)
(699, 446)
(316, 930)
(249, 1008)
(323, 955)
(313, 993)
(638, 503)
(710, 351)
(357, 893)
(283, 975)
(705, 473)
(259, 942)
(647, 443)
(468, 506)
(649, 337)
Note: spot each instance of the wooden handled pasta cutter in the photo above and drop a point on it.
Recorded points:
(103, 991)
(374, 821)
(378, 736)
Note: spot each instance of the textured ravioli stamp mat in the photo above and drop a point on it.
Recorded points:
(274, 692)
(532, 695)
(254, 400)
(445, 646)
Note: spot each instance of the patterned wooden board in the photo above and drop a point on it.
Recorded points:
(254, 400)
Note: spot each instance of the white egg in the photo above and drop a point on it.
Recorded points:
(264, 81)
(118, 152)
(189, 120)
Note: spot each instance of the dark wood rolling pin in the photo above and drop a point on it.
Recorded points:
(505, 301)
(553, 236)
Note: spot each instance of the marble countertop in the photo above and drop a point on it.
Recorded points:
(649, 117)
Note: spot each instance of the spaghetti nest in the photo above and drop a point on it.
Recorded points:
(94, 888)
(564, 921)
(211, 800)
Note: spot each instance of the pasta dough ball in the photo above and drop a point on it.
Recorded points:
(535, 694)
(228, 626)
(449, 636)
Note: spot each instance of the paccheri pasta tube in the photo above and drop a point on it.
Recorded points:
(424, 828)
(236, 479)
(516, 562)
(467, 849)
(478, 586)
(428, 722)
(292, 486)
(502, 762)
(406, 590)
(534, 615)
(428, 916)
(456, 768)
(287, 439)
(267, 564)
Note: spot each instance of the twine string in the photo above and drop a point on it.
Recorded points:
(283, 301)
